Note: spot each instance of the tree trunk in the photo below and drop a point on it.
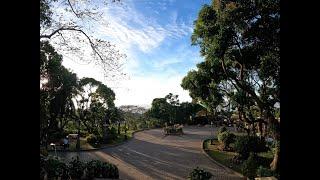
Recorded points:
(276, 136)
(119, 128)
(276, 160)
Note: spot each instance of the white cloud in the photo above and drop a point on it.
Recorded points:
(142, 90)
(130, 28)
(131, 31)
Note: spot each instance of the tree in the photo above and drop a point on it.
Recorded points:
(174, 102)
(160, 109)
(93, 100)
(240, 41)
(57, 86)
(68, 26)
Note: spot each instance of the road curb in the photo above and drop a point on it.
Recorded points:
(216, 162)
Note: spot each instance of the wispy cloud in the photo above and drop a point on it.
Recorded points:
(157, 48)
(129, 27)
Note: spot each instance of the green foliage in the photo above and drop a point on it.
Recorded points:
(199, 174)
(226, 138)
(246, 144)
(160, 109)
(264, 172)
(249, 167)
(113, 132)
(43, 152)
(222, 129)
(94, 140)
(100, 169)
(42, 166)
(240, 43)
(55, 168)
(169, 109)
(76, 168)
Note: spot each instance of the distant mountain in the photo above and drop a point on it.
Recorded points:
(133, 109)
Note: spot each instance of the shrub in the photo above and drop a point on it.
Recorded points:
(199, 174)
(43, 152)
(113, 133)
(100, 169)
(264, 172)
(246, 144)
(226, 138)
(76, 168)
(94, 140)
(56, 168)
(249, 167)
(91, 169)
(222, 129)
(42, 166)
(109, 170)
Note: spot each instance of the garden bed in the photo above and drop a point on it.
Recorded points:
(225, 157)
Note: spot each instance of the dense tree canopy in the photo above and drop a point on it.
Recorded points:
(240, 42)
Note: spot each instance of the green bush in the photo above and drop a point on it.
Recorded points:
(222, 129)
(246, 144)
(249, 167)
(76, 168)
(100, 169)
(42, 166)
(94, 140)
(43, 152)
(226, 138)
(113, 133)
(109, 170)
(199, 174)
(264, 172)
(56, 168)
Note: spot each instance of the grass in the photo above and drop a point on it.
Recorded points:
(222, 157)
(121, 138)
(225, 157)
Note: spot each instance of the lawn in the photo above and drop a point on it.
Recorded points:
(222, 157)
(121, 138)
(225, 157)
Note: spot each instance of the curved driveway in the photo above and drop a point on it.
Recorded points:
(150, 155)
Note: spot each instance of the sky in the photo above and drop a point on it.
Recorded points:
(155, 35)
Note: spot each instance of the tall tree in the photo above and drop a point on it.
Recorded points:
(240, 41)
(57, 87)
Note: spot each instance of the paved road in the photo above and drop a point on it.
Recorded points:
(150, 155)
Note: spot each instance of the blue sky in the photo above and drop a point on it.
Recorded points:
(155, 36)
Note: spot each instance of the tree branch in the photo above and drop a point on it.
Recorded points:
(96, 51)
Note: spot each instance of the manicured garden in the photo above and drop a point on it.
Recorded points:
(248, 155)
